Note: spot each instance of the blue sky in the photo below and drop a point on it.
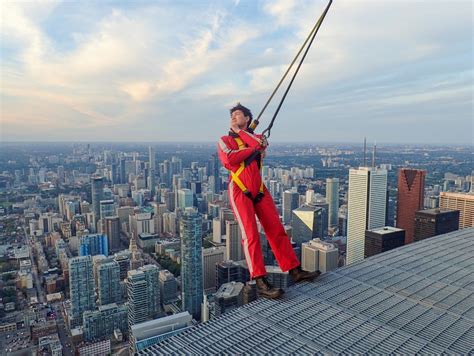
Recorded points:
(394, 71)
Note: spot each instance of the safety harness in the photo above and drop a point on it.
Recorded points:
(243, 164)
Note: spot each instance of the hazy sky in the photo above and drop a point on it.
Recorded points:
(395, 71)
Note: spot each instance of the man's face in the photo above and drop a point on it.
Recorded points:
(238, 119)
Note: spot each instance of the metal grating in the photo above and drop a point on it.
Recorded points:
(417, 299)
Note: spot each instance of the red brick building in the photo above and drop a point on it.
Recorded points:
(411, 185)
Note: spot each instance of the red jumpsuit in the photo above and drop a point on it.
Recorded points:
(245, 209)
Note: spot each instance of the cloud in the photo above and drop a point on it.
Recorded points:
(110, 67)
(282, 10)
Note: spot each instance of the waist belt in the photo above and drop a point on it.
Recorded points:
(236, 179)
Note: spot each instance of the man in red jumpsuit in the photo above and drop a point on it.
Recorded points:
(249, 197)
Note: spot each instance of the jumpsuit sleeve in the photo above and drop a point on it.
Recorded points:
(250, 139)
(230, 157)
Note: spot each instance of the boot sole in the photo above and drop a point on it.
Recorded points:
(269, 296)
(308, 279)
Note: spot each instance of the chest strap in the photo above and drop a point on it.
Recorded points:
(236, 174)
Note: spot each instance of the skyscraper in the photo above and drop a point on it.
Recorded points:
(216, 230)
(136, 259)
(191, 262)
(291, 201)
(432, 222)
(168, 287)
(214, 166)
(151, 183)
(185, 198)
(106, 208)
(367, 208)
(113, 172)
(123, 259)
(152, 158)
(81, 286)
(143, 293)
(108, 283)
(211, 257)
(170, 200)
(97, 186)
(112, 230)
(94, 244)
(233, 241)
(136, 297)
(309, 196)
(307, 223)
(411, 187)
(321, 203)
(464, 202)
(332, 198)
(152, 277)
(122, 175)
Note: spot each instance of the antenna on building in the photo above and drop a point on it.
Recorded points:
(365, 151)
(373, 155)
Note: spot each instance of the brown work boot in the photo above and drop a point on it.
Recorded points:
(265, 289)
(299, 275)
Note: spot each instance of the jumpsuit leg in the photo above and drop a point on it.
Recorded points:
(245, 214)
(275, 233)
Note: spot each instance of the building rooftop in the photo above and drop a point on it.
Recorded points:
(417, 298)
(307, 207)
(436, 211)
(468, 196)
(147, 236)
(386, 230)
(228, 290)
(161, 325)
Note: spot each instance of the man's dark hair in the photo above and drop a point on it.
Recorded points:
(245, 111)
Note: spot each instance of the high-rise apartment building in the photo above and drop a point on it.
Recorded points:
(152, 157)
(123, 259)
(94, 244)
(143, 294)
(97, 186)
(100, 324)
(191, 262)
(108, 283)
(332, 198)
(81, 286)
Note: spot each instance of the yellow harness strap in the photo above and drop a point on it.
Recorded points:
(236, 174)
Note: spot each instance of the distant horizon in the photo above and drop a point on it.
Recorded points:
(355, 143)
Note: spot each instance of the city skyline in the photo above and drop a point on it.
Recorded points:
(155, 261)
(64, 86)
